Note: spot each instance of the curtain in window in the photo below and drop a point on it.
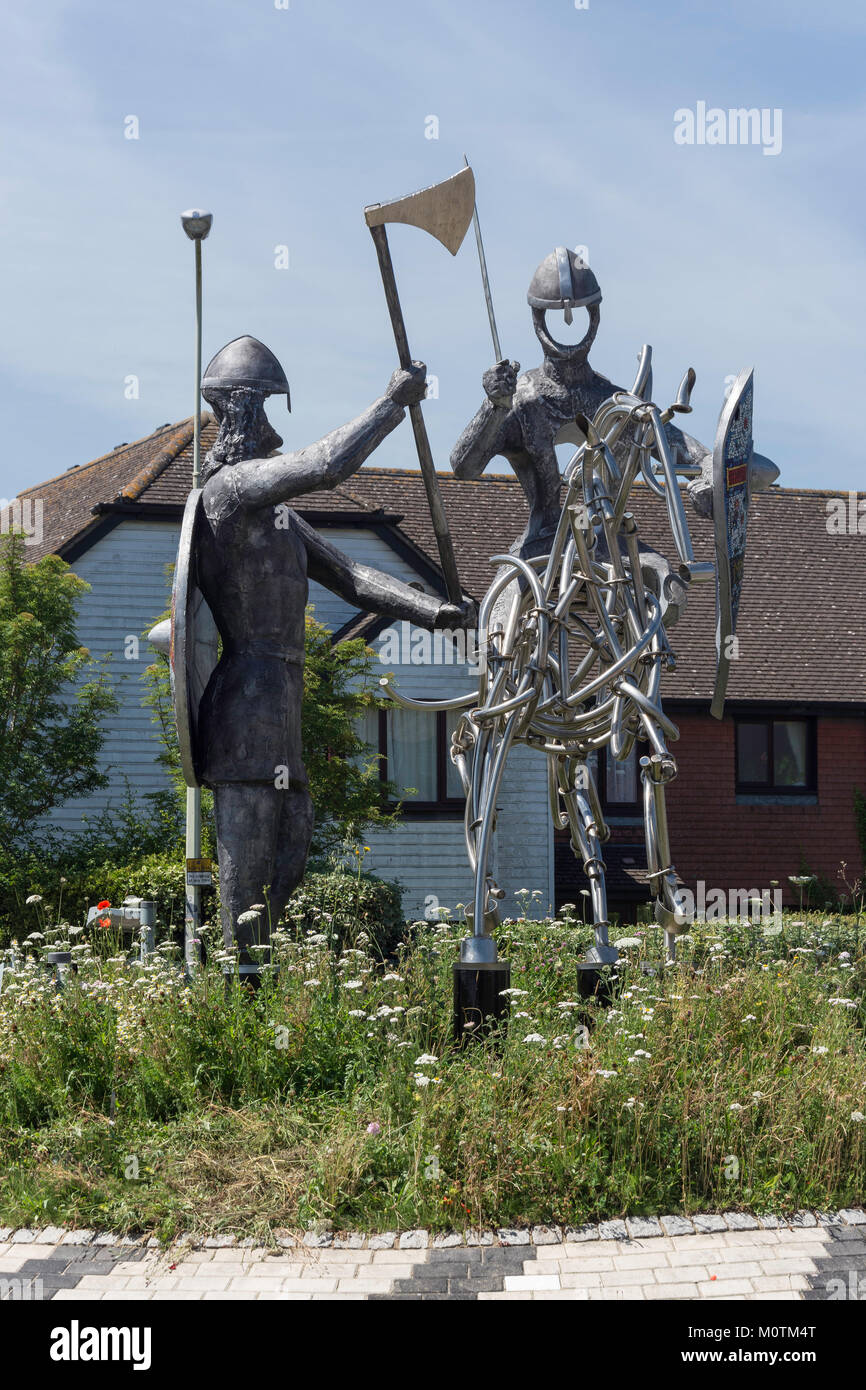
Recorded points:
(621, 779)
(412, 752)
(789, 753)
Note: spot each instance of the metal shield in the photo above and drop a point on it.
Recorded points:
(732, 457)
(194, 642)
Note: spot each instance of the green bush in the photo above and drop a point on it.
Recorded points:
(350, 903)
(345, 902)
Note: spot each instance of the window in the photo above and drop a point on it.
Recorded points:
(776, 756)
(618, 783)
(414, 753)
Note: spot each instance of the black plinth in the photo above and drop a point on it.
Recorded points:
(599, 984)
(478, 998)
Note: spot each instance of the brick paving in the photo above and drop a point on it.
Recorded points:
(733, 1256)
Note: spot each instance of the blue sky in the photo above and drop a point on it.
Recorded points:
(286, 122)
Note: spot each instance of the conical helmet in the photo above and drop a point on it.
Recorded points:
(247, 362)
(563, 281)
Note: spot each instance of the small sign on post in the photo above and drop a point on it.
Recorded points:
(199, 873)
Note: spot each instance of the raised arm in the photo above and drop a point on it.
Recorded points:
(494, 429)
(374, 591)
(267, 482)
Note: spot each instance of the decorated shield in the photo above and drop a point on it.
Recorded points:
(194, 642)
(732, 457)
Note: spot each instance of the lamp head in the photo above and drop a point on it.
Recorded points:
(196, 223)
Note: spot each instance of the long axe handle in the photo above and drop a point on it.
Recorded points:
(422, 443)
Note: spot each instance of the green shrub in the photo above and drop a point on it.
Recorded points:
(350, 903)
(346, 902)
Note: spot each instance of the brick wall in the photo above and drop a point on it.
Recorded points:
(716, 838)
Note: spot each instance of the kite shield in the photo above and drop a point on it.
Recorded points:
(732, 456)
(194, 642)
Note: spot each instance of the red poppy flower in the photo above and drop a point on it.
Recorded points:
(105, 921)
(105, 903)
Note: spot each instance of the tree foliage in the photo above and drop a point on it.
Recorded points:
(53, 695)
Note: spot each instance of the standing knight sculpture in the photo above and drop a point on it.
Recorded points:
(250, 559)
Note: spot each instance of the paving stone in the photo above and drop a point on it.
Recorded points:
(643, 1227)
(725, 1288)
(78, 1237)
(351, 1241)
(574, 1235)
(426, 1283)
(853, 1216)
(645, 1260)
(23, 1236)
(623, 1293)
(459, 1258)
(478, 1237)
(5, 1233)
(560, 1295)
(414, 1240)
(792, 1265)
(741, 1221)
(707, 1222)
(612, 1230)
(504, 1256)
(51, 1235)
(771, 1222)
(153, 1243)
(385, 1240)
(526, 1283)
(471, 1288)
(447, 1240)
(681, 1274)
(678, 1291)
(432, 1297)
(580, 1278)
(221, 1242)
(317, 1240)
(510, 1236)
(827, 1218)
(546, 1235)
(802, 1218)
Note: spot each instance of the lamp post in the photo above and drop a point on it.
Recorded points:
(196, 224)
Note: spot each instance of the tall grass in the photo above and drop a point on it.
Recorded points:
(736, 1078)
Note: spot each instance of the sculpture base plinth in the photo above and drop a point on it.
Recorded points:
(600, 984)
(480, 1007)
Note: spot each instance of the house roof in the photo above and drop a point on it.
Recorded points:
(803, 609)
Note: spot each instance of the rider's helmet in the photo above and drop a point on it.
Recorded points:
(563, 281)
(246, 362)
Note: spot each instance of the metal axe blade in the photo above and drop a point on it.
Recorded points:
(444, 210)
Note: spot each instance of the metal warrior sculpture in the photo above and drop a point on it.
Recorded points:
(244, 562)
(574, 625)
(246, 558)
